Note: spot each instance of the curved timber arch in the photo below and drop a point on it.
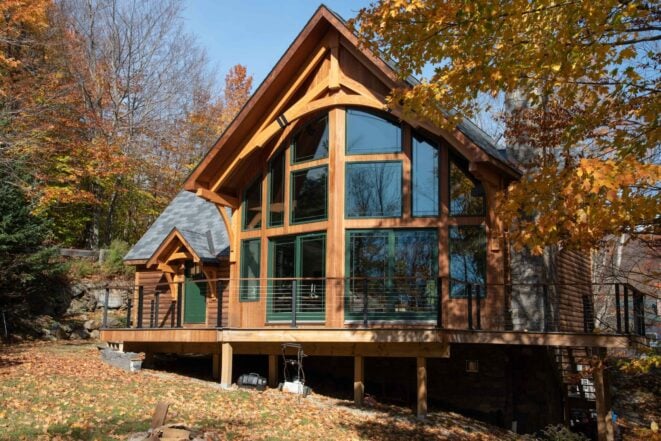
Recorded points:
(295, 113)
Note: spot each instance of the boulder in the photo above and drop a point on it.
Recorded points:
(81, 334)
(95, 334)
(78, 290)
(91, 325)
(116, 297)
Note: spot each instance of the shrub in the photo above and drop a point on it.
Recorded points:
(113, 265)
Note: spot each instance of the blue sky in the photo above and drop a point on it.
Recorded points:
(254, 33)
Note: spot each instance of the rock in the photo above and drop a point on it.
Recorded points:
(78, 306)
(116, 297)
(91, 325)
(139, 436)
(113, 322)
(15, 338)
(78, 290)
(95, 334)
(82, 334)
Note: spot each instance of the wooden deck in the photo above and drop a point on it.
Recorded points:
(363, 336)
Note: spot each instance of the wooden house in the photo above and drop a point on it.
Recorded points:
(320, 217)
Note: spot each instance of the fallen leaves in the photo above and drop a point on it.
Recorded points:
(62, 391)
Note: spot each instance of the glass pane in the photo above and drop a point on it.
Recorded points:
(252, 206)
(466, 193)
(250, 252)
(425, 178)
(277, 191)
(374, 189)
(284, 266)
(369, 133)
(368, 258)
(313, 268)
(312, 141)
(468, 258)
(414, 271)
(309, 194)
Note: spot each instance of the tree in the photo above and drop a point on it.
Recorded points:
(589, 73)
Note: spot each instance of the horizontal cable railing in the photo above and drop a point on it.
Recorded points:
(390, 301)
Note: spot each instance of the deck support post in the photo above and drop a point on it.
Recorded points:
(358, 380)
(215, 367)
(226, 366)
(602, 394)
(422, 387)
(273, 370)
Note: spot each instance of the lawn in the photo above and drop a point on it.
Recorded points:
(63, 391)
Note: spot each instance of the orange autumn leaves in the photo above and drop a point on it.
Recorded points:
(588, 71)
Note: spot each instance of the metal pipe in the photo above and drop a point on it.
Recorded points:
(478, 321)
(180, 289)
(469, 297)
(141, 297)
(626, 308)
(293, 303)
(439, 309)
(105, 308)
(219, 304)
(618, 313)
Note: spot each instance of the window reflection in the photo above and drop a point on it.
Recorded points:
(374, 189)
(277, 191)
(250, 267)
(309, 190)
(395, 271)
(311, 142)
(425, 177)
(468, 258)
(369, 133)
(466, 192)
(252, 206)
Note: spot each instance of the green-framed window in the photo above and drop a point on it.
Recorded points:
(309, 194)
(466, 192)
(301, 257)
(424, 178)
(368, 132)
(395, 271)
(373, 189)
(250, 270)
(277, 191)
(252, 206)
(468, 259)
(311, 141)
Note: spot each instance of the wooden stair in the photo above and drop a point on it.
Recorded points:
(573, 368)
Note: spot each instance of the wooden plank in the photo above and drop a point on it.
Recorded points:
(160, 414)
(358, 380)
(218, 199)
(422, 387)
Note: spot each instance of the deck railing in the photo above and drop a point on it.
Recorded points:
(365, 302)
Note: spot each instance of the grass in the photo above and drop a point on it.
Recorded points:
(63, 391)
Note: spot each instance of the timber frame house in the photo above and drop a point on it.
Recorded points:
(319, 217)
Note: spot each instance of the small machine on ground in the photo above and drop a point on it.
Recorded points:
(293, 370)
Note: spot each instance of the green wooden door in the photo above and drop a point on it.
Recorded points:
(195, 300)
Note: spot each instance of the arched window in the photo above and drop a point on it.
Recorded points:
(368, 132)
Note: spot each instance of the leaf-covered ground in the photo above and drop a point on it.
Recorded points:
(63, 391)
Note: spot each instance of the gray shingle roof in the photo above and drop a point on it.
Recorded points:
(196, 219)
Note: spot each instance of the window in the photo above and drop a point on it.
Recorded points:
(468, 259)
(311, 142)
(250, 270)
(373, 189)
(297, 257)
(425, 177)
(466, 192)
(277, 191)
(309, 193)
(369, 133)
(395, 272)
(252, 206)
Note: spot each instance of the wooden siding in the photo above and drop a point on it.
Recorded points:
(574, 276)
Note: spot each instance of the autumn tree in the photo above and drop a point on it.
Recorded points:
(588, 73)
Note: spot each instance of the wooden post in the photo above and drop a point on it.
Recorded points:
(141, 298)
(180, 289)
(273, 370)
(358, 380)
(422, 387)
(604, 413)
(215, 366)
(226, 366)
